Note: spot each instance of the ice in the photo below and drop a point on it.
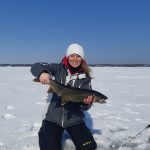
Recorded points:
(22, 104)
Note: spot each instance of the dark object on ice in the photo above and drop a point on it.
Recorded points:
(149, 140)
(148, 126)
(130, 139)
(73, 94)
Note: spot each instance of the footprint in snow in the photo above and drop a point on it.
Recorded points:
(128, 110)
(9, 107)
(2, 146)
(40, 103)
(36, 126)
(30, 147)
(8, 116)
(140, 120)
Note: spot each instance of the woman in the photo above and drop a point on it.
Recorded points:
(71, 71)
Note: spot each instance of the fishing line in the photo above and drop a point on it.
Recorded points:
(131, 138)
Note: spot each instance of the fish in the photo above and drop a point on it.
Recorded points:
(68, 93)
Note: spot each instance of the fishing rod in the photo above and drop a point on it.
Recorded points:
(130, 139)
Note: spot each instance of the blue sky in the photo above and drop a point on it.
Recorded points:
(110, 31)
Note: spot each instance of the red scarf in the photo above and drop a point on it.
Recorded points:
(65, 62)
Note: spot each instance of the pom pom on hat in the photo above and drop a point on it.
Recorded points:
(75, 49)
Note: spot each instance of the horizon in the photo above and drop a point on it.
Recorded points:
(92, 65)
(111, 32)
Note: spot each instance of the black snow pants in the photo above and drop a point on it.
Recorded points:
(50, 135)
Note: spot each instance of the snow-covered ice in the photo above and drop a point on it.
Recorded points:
(22, 104)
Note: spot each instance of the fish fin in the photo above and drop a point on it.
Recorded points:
(102, 101)
(108, 101)
(50, 90)
(64, 102)
(36, 80)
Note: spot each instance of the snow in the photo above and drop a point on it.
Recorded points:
(22, 104)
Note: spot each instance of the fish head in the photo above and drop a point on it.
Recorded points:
(100, 100)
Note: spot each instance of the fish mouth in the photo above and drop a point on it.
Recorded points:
(103, 101)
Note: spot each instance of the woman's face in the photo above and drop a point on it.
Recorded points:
(74, 60)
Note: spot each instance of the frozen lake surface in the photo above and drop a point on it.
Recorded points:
(22, 105)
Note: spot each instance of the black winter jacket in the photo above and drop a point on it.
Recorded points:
(71, 113)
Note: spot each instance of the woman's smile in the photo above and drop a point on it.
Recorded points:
(74, 60)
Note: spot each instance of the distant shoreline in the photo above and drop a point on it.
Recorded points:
(91, 65)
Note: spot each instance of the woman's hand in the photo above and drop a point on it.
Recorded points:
(44, 78)
(89, 100)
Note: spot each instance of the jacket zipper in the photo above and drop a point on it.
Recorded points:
(62, 122)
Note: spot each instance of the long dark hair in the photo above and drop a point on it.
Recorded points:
(84, 66)
(86, 69)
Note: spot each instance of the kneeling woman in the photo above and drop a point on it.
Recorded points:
(71, 71)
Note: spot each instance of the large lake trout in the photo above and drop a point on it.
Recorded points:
(73, 94)
(68, 93)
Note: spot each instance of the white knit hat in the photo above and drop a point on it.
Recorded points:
(75, 48)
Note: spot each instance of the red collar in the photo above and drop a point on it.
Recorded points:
(65, 62)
